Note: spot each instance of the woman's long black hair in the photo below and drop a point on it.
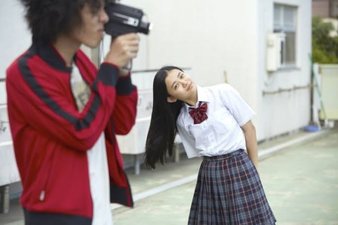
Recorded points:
(162, 130)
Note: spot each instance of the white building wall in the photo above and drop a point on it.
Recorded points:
(282, 112)
(216, 39)
(14, 35)
(213, 38)
(14, 39)
(229, 37)
(219, 40)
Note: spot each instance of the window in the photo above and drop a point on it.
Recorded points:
(285, 24)
(334, 8)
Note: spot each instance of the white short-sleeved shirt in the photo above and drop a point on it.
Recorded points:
(221, 133)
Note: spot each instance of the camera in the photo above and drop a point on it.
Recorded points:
(125, 19)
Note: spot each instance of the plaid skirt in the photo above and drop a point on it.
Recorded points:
(229, 192)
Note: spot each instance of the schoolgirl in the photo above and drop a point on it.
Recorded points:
(214, 123)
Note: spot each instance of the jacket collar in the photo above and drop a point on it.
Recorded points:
(50, 55)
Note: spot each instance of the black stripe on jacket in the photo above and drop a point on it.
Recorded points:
(79, 124)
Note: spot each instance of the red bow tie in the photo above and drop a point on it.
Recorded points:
(199, 114)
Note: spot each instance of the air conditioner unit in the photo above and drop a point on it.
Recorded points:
(274, 54)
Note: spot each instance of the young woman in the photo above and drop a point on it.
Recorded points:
(64, 114)
(214, 123)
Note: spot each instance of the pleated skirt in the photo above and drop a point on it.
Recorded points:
(229, 192)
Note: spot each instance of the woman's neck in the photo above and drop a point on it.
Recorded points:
(193, 99)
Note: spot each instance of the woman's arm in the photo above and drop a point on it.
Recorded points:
(251, 141)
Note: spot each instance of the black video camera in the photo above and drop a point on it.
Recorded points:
(124, 19)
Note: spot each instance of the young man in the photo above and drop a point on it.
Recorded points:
(64, 114)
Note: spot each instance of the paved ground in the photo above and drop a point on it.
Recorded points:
(301, 183)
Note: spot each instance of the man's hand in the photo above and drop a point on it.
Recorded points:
(123, 49)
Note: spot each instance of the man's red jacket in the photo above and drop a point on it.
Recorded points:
(51, 137)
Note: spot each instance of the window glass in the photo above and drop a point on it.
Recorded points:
(277, 17)
(289, 18)
(285, 23)
(290, 48)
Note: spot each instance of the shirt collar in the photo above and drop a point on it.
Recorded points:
(202, 94)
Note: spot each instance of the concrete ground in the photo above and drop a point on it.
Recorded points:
(299, 173)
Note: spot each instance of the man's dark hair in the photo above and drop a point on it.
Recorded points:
(49, 18)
